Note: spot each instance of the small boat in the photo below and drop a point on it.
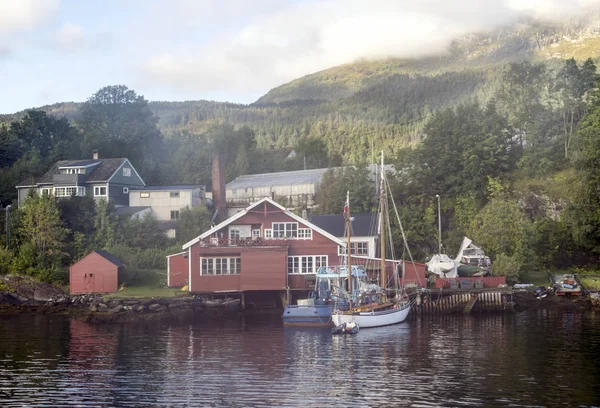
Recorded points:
(565, 284)
(346, 328)
(472, 255)
(377, 309)
(317, 308)
(443, 266)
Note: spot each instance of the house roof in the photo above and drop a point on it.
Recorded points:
(110, 257)
(283, 178)
(167, 188)
(286, 178)
(103, 172)
(129, 210)
(82, 163)
(245, 211)
(363, 225)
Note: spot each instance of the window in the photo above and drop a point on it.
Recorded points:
(126, 172)
(255, 233)
(304, 233)
(175, 214)
(46, 191)
(99, 191)
(69, 191)
(356, 248)
(125, 190)
(362, 248)
(234, 233)
(268, 234)
(221, 266)
(285, 229)
(144, 195)
(73, 171)
(306, 264)
(174, 194)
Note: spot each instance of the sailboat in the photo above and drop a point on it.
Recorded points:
(376, 309)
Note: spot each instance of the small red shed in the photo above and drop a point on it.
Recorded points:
(177, 270)
(98, 272)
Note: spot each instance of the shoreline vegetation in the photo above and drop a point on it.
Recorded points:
(24, 295)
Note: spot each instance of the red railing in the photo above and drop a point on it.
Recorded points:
(488, 282)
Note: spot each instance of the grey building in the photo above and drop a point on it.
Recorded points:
(294, 188)
(109, 179)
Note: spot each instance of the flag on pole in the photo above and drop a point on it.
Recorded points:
(347, 206)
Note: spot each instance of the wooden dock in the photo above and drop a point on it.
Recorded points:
(463, 301)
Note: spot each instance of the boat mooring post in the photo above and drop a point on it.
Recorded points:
(439, 224)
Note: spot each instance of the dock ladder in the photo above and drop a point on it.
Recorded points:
(471, 303)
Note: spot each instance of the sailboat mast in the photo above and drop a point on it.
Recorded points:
(348, 263)
(382, 230)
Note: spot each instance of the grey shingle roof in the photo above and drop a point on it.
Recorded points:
(364, 224)
(99, 173)
(284, 178)
(111, 258)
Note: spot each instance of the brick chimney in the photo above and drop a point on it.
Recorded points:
(95, 155)
(218, 185)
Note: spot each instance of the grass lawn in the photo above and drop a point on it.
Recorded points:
(147, 292)
(590, 282)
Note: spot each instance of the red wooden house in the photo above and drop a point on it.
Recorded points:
(97, 272)
(262, 248)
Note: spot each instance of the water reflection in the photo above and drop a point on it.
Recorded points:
(543, 358)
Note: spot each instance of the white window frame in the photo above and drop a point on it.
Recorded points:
(255, 233)
(289, 230)
(174, 194)
(268, 233)
(145, 194)
(62, 191)
(126, 172)
(234, 233)
(306, 264)
(176, 213)
(125, 190)
(224, 265)
(304, 233)
(97, 191)
(364, 250)
(46, 191)
(354, 246)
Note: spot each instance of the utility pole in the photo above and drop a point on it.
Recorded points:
(8, 226)
(439, 225)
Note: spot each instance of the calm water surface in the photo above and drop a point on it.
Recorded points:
(543, 358)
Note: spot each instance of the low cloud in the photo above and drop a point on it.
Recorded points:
(25, 15)
(70, 37)
(296, 40)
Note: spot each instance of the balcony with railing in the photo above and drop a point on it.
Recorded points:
(243, 242)
(68, 179)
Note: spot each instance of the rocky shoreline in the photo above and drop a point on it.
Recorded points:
(19, 294)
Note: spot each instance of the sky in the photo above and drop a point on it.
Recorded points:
(223, 50)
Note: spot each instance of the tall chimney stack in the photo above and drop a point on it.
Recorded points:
(95, 155)
(218, 185)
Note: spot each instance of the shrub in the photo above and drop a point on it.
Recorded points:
(508, 266)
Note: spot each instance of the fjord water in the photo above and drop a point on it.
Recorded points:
(541, 358)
